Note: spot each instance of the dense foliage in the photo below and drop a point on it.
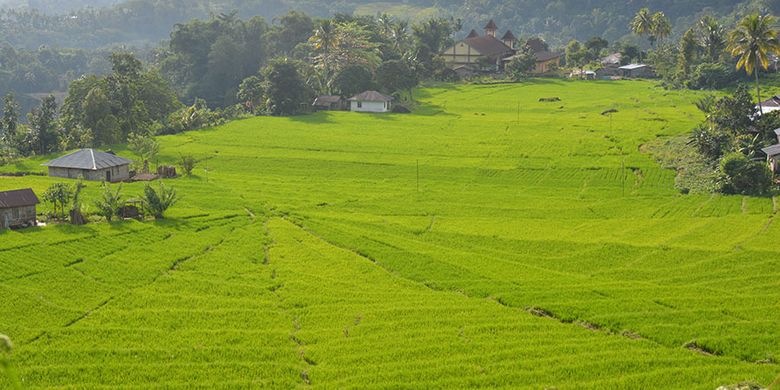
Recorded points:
(730, 139)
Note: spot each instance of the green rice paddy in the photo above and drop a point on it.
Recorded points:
(487, 240)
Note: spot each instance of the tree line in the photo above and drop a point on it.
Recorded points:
(226, 67)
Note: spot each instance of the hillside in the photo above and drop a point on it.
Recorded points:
(486, 240)
(146, 22)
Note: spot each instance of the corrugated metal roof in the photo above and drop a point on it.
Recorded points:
(371, 96)
(89, 159)
(326, 100)
(18, 198)
(633, 66)
(774, 101)
(771, 151)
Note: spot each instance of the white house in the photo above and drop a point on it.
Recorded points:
(371, 101)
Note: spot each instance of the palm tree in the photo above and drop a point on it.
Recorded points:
(400, 35)
(712, 37)
(642, 24)
(385, 24)
(753, 41)
(661, 27)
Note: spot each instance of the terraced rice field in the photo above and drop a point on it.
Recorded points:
(487, 240)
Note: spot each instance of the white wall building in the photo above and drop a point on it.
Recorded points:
(371, 101)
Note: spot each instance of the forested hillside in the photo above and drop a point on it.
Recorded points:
(91, 24)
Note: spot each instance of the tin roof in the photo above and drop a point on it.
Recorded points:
(88, 159)
(326, 100)
(18, 198)
(772, 151)
(633, 66)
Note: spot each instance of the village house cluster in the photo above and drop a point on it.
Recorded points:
(18, 207)
(469, 56)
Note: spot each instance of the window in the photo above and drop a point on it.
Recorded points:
(16, 213)
(360, 104)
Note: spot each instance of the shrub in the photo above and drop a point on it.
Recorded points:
(710, 142)
(110, 203)
(157, 202)
(710, 76)
(187, 164)
(743, 176)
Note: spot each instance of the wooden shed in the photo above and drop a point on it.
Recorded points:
(773, 158)
(18, 209)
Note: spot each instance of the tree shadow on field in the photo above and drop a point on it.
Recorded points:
(430, 109)
(316, 118)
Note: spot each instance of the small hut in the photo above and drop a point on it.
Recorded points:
(328, 103)
(18, 209)
(773, 158)
(371, 101)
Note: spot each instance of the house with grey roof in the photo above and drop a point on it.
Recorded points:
(371, 101)
(91, 164)
(17, 208)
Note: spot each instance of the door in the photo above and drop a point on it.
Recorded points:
(108, 176)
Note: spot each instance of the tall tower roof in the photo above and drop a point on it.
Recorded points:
(509, 36)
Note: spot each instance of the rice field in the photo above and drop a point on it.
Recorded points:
(486, 240)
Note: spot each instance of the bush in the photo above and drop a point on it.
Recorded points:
(187, 164)
(157, 202)
(710, 76)
(710, 142)
(743, 176)
(110, 203)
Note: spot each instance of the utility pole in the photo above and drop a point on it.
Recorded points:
(623, 173)
(418, 175)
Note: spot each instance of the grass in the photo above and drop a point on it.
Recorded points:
(542, 249)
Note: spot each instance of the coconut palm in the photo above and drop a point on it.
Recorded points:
(400, 35)
(712, 37)
(385, 24)
(753, 41)
(642, 24)
(661, 27)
